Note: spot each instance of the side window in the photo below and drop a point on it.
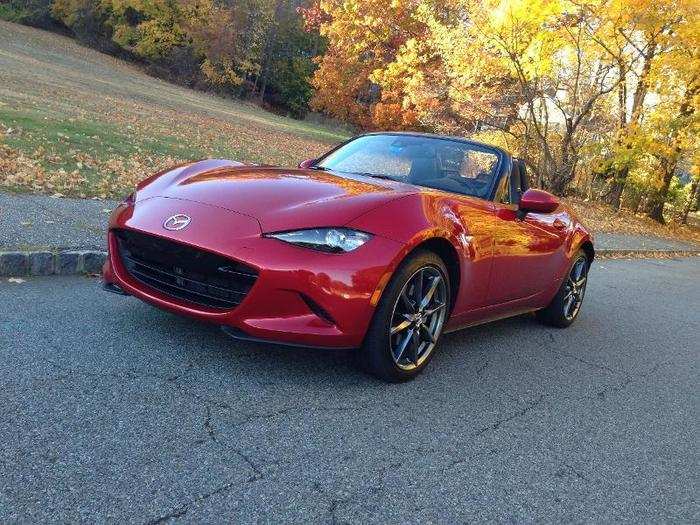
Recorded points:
(477, 165)
(503, 191)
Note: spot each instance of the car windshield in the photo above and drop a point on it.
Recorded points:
(432, 162)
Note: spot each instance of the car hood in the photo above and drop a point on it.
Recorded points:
(279, 198)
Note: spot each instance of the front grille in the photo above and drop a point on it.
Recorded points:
(183, 272)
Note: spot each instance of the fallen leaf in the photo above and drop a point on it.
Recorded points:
(15, 280)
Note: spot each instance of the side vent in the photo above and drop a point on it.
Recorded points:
(317, 309)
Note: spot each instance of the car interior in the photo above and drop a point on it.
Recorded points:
(459, 168)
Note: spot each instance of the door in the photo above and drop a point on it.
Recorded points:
(527, 250)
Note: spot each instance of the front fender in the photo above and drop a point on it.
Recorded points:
(416, 219)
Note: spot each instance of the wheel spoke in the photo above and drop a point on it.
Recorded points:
(418, 289)
(430, 293)
(568, 305)
(404, 344)
(575, 288)
(400, 327)
(426, 334)
(407, 302)
(414, 346)
(437, 308)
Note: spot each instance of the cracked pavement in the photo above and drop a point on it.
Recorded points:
(116, 411)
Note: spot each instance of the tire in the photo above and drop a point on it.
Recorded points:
(416, 324)
(562, 311)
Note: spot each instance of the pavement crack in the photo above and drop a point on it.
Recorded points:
(593, 364)
(257, 472)
(177, 513)
(208, 427)
(333, 503)
(467, 459)
(576, 472)
(480, 371)
(520, 413)
(614, 389)
(184, 508)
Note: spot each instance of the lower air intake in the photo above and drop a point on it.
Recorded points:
(183, 272)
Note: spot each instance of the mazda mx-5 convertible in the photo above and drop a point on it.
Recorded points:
(381, 245)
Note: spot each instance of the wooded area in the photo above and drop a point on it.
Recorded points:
(600, 97)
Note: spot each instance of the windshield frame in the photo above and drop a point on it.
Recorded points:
(501, 168)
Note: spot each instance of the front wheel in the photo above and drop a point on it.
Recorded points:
(566, 305)
(409, 319)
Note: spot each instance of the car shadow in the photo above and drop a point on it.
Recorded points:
(460, 352)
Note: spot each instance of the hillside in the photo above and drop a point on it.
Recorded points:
(77, 122)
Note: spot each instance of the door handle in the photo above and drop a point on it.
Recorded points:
(559, 224)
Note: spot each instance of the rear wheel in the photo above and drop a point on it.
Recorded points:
(409, 319)
(566, 305)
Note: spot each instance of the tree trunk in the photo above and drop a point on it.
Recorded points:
(692, 203)
(270, 45)
(656, 210)
(617, 187)
(561, 177)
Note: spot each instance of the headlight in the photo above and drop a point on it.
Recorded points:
(332, 240)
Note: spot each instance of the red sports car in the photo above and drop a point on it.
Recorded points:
(381, 245)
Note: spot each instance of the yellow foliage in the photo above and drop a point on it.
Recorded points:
(567, 85)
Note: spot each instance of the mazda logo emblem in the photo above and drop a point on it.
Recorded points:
(177, 222)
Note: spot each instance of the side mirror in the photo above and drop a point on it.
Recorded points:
(537, 201)
(306, 163)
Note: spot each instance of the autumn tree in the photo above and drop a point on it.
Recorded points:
(547, 52)
(675, 121)
(563, 83)
(637, 35)
(364, 38)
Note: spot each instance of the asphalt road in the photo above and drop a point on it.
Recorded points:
(115, 411)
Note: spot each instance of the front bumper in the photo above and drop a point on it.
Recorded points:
(301, 296)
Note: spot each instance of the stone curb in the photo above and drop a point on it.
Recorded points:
(62, 262)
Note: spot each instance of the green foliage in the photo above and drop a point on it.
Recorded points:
(31, 12)
(291, 65)
(88, 20)
(256, 48)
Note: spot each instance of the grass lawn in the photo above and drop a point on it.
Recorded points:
(76, 122)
